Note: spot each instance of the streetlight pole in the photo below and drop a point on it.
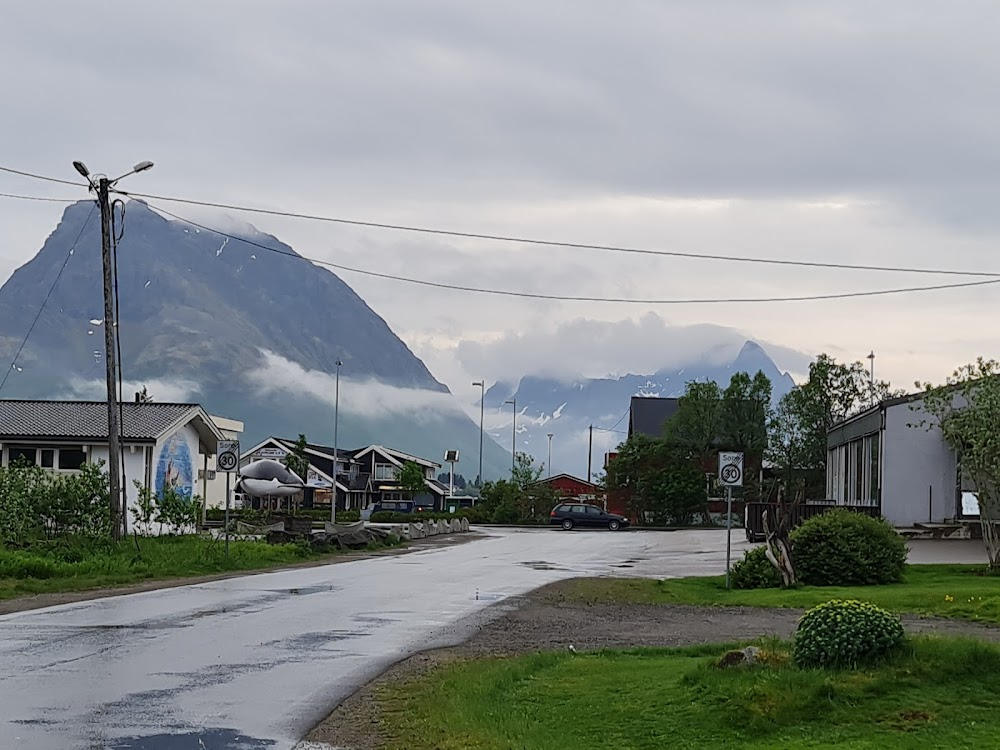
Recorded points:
(513, 438)
(336, 455)
(550, 455)
(482, 412)
(103, 189)
(871, 359)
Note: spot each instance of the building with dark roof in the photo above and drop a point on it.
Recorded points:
(164, 444)
(364, 475)
(649, 415)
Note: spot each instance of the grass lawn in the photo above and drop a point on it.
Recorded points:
(74, 566)
(958, 591)
(937, 693)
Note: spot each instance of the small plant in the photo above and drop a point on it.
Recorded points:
(843, 548)
(755, 571)
(841, 634)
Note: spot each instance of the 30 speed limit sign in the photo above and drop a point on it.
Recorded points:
(731, 469)
(228, 455)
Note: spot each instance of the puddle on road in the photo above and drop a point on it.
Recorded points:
(488, 596)
(216, 739)
(304, 590)
(541, 565)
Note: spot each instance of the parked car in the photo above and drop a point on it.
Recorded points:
(569, 515)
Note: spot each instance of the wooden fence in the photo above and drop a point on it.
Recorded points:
(754, 522)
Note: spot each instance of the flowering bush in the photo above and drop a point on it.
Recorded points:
(845, 634)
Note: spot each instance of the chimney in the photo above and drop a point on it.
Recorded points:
(138, 397)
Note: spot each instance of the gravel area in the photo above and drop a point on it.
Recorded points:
(545, 621)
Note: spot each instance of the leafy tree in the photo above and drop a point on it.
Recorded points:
(698, 424)
(966, 409)
(297, 460)
(663, 481)
(519, 498)
(797, 442)
(411, 479)
(525, 472)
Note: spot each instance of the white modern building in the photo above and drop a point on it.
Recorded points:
(886, 458)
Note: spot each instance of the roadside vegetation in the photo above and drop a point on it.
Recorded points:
(927, 693)
(55, 536)
(965, 592)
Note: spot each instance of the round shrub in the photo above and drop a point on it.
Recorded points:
(843, 548)
(754, 571)
(845, 634)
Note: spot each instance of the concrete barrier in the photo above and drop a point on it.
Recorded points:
(465, 523)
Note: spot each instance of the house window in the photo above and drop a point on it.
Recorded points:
(386, 472)
(71, 459)
(22, 454)
(48, 458)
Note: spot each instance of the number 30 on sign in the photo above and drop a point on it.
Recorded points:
(731, 469)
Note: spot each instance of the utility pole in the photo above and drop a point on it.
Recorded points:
(116, 496)
(513, 437)
(111, 364)
(482, 413)
(549, 464)
(590, 453)
(336, 457)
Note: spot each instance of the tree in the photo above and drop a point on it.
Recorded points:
(966, 409)
(297, 460)
(797, 443)
(664, 482)
(412, 479)
(460, 482)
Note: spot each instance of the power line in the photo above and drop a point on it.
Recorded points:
(564, 244)
(36, 198)
(42, 177)
(567, 298)
(47, 296)
(531, 240)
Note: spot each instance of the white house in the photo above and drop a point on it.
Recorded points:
(163, 445)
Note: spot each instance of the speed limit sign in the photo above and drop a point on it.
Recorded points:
(228, 455)
(731, 469)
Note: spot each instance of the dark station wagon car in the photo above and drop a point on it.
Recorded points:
(569, 515)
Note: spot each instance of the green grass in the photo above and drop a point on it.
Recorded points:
(936, 693)
(925, 590)
(73, 565)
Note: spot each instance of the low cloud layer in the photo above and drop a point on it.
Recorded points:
(368, 398)
(163, 391)
(594, 348)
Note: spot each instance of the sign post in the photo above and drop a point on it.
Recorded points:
(227, 460)
(730, 475)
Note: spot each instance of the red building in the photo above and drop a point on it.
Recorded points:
(571, 487)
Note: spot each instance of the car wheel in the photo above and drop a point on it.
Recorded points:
(567, 524)
(614, 525)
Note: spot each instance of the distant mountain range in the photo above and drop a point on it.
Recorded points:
(250, 334)
(567, 409)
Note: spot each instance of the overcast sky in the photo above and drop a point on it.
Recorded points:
(847, 131)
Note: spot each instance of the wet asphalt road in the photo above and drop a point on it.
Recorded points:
(254, 662)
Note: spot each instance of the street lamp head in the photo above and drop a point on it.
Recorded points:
(339, 363)
(142, 166)
(478, 383)
(550, 434)
(511, 402)
(80, 167)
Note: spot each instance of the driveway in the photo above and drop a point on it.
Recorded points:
(254, 662)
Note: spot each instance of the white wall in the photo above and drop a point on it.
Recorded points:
(919, 470)
(135, 468)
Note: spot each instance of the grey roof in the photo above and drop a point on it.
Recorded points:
(86, 420)
(647, 416)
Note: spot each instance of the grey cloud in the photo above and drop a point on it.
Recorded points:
(595, 348)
